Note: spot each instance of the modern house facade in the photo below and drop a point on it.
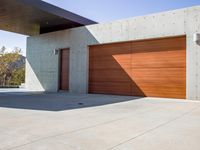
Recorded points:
(155, 55)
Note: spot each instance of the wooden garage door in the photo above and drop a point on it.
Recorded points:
(155, 68)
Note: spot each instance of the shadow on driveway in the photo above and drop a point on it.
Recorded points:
(58, 101)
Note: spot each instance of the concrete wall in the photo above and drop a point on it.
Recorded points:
(42, 64)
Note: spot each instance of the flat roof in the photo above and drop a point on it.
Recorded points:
(32, 17)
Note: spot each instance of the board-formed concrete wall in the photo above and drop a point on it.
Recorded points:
(42, 64)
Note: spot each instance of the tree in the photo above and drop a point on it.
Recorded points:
(6, 65)
(17, 50)
(2, 50)
(18, 76)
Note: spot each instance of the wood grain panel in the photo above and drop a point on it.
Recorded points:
(160, 82)
(164, 75)
(161, 59)
(159, 67)
(111, 75)
(116, 88)
(155, 68)
(111, 62)
(157, 45)
(64, 69)
(110, 49)
(105, 74)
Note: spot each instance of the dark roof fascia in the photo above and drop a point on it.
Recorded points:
(44, 6)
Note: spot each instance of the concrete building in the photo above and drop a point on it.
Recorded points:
(156, 55)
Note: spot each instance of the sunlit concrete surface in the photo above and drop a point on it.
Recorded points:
(17, 91)
(97, 122)
(13, 90)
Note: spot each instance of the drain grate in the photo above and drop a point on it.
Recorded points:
(80, 103)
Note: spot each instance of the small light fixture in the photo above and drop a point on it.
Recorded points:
(196, 38)
(56, 51)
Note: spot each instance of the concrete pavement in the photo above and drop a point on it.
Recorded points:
(97, 122)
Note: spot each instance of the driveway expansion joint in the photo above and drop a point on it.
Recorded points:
(153, 129)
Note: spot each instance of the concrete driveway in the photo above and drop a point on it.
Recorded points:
(97, 122)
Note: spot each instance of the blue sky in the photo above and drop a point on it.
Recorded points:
(102, 11)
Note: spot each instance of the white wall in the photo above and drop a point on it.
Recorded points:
(42, 68)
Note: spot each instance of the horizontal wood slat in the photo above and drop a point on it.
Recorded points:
(117, 88)
(161, 59)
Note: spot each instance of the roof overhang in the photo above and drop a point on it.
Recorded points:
(32, 17)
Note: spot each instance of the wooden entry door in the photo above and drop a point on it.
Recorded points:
(64, 69)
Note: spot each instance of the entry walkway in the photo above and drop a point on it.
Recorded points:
(14, 91)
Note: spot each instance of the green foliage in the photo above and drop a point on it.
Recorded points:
(18, 76)
(8, 74)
